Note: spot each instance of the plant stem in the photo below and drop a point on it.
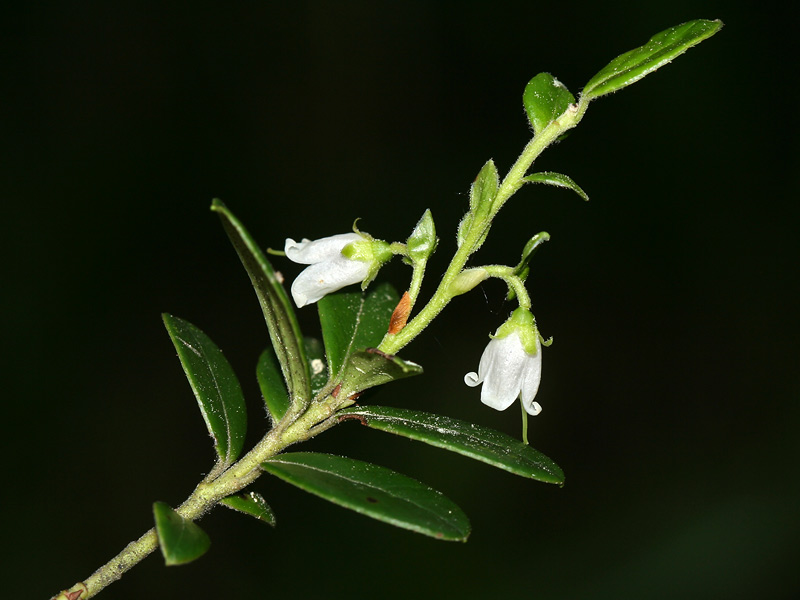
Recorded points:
(393, 343)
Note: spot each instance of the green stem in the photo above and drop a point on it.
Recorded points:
(393, 343)
(207, 494)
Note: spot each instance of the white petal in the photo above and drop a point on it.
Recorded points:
(503, 361)
(309, 253)
(326, 277)
(530, 381)
(472, 379)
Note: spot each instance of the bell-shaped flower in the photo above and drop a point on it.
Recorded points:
(511, 365)
(334, 262)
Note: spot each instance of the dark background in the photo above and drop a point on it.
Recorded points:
(670, 393)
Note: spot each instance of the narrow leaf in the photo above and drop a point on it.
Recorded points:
(215, 386)
(181, 540)
(481, 443)
(284, 330)
(556, 179)
(253, 504)
(545, 99)
(353, 321)
(373, 491)
(271, 383)
(661, 49)
(370, 368)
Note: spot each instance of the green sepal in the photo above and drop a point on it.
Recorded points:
(215, 387)
(373, 491)
(661, 49)
(481, 443)
(253, 504)
(271, 384)
(481, 195)
(354, 321)
(556, 179)
(181, 541)
(422, 242)
(523, 324)
(284, 330)
(523, 268)
(545, 99)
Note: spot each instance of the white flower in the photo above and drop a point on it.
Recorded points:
(329, 269)
(508, 369)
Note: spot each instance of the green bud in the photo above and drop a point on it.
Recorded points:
(466, 280)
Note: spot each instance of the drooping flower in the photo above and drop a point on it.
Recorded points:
(511, 365)
(329, 269)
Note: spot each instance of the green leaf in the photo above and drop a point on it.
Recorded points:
(271, 383)
(284, 330)
(353, 321)
(556, 179)
(181, 540)
(481, 194)
(523, 268)
(370, 368)
(545, 99)
(215, 386)
(480, 443)
(422, 242)
(373, 491)
(253, 504)
(315, 352)
(661, 49)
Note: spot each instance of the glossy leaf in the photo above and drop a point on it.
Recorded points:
(661, 49)
(284, 330)
(253, 504)
(422, 241)
(556, 179)
(371, 368)
(271, 383)
(353, 321)
(373, 491)
(181, 540)
(315, 352)
(481, 443)
(545, 99)
(215, 386)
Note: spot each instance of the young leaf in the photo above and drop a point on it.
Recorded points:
(284, 330)
(481, 194)
(315, 352)
(422, 241)
(481, 443)
(556, 179)
(373, 491)
(353, 321)
(661, 49)
(252, 504)
(522, 269)
(271, 383)
(370, 368)
(545, 99)
(181, 540)
(215, 386)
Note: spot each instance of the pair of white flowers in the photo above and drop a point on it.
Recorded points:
(511, 365)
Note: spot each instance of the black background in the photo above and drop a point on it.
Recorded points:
(670, 393)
